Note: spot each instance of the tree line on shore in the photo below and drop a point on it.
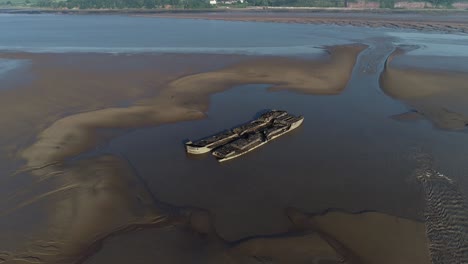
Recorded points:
(122, 4)
(149, 4)
(194, 4)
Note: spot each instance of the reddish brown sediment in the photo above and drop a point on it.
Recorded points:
(424, 21)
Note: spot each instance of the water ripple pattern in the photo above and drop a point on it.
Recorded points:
(446, 216)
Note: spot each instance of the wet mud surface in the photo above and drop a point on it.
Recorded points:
(79, 186)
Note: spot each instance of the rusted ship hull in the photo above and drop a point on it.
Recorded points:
(233, 143)
(240, 152)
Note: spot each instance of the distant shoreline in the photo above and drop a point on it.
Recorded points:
(250, 10)
(429, 20)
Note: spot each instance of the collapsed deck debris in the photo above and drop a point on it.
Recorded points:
(238, 141)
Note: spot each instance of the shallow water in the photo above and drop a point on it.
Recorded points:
(117, 33)
(62, 33)
(433, 43)
(9, 69)
(348, 154)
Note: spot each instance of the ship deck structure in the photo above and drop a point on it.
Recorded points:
(230, 144)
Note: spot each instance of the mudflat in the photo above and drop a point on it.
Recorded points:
(94, 169)
(160, 92)
(444, 21)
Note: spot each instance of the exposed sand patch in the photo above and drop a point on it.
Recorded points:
(90, 200)
(94, 198)
(186, 99)
(65, 84)
(329, 238)
(308, 248)
(370, 237)
(408, 84)
(322, 77)
(74, 134)
(182, 246)
(438, 96)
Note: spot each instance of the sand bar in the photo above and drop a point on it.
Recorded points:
(185, 98)
(81, 102)
(439, 96)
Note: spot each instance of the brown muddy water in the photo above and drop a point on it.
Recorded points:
(248, 195)
(94, 170)
(351, 154)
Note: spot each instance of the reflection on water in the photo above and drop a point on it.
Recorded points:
(120, 33)
(7, 65)
(11, 71)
